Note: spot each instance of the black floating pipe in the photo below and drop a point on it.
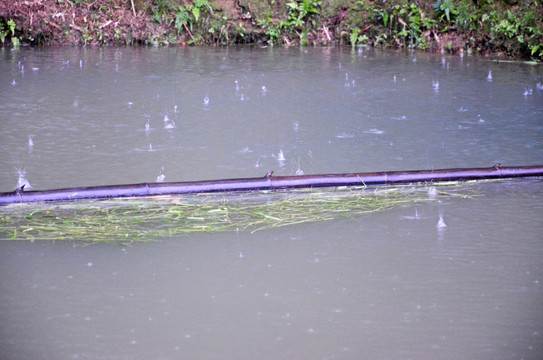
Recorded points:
(270, 182)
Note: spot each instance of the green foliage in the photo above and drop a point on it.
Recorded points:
(300, 11)
(383, 14)
(507, 28)
(182, 18)
(299, 20)
(407, 25)
(199, 7)
(5, 32)
(445, 10)
(191, 16)
(270, 28)
(467, 17)
(517, 35)
(537, 50)
(162, 11)
(354, 36)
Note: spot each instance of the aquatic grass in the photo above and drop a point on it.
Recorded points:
(144, 219)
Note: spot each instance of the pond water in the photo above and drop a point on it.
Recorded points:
(391, 284)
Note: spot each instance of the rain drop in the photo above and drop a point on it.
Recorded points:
(441, 223)
(281, 156)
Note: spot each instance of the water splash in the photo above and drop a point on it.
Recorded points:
(528, 91)
(412, 217)
(168, 124)
(344, 135)
(161, 176)
(245, 150)
(489, 77)
(441, 223)
(22, 181)
(280, 156)
(206, 100)
(435, 85)
(299, 171)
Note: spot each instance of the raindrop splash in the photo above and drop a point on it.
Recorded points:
(281, 156)
(168, 124)
(22, 181)
(441, 223)
(432, 193)
(161, 176)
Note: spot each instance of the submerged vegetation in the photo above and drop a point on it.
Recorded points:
(131, 220)
(505, 27)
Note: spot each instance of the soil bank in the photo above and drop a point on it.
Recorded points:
(507, 28)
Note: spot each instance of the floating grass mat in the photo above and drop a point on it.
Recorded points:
(144, 219)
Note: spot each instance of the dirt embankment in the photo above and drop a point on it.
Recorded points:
(506, 27)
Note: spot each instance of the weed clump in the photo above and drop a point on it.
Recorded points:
(129, 220)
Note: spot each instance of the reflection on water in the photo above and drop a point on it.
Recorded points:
(450, 279)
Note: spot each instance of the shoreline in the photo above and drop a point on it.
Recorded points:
(507, 29)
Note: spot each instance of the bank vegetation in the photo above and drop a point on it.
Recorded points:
(508, 28)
